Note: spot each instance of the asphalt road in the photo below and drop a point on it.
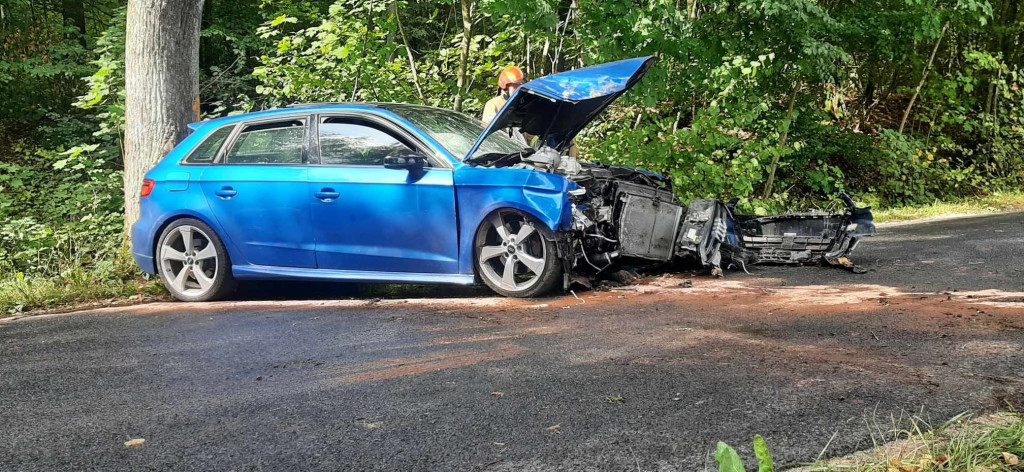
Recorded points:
(984, 252)
(647, 378)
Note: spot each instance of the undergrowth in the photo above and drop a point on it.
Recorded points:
(992, 443)
(996, 202)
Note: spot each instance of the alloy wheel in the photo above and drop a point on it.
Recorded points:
(513, 255)
(188, 260)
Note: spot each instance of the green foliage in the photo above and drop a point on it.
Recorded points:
(61, 222)
(729, 460)
(712, 114)
(764, 457)
(356, 53)
(350, 56)
(39, 71)
(59, 211)
(105, 87)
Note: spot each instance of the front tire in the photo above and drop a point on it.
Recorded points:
(513, 257)
(193, 263)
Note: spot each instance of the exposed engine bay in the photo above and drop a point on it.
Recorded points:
(627, 216)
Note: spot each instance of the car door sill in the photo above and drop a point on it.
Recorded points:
(253, 272)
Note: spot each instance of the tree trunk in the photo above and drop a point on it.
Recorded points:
(924, 77)
(467, 36)
(543, 56)
(561, 38)
(782, 143)
(408, 52)
(161, 84)
(73, 12)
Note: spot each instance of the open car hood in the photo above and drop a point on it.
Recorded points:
(557, 107)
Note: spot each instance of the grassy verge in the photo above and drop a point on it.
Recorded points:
(19, 294)
(996, 202)
(993, 443)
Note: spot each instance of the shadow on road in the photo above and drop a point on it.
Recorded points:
(304, 290)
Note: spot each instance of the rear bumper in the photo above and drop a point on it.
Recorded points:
(145, 263)
(142, 246)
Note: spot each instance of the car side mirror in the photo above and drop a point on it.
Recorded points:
(411, 162)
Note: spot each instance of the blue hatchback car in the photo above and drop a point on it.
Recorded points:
(404, 193)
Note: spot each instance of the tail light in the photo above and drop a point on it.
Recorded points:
(147, 187)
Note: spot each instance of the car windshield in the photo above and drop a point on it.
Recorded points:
(453, 130)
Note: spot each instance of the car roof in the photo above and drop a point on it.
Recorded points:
(303, 108)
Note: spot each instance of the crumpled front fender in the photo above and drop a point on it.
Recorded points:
(480, 191)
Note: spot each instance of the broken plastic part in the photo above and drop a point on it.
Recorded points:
(798, 238)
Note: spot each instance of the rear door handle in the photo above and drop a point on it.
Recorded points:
(327, 194)
(226, 192)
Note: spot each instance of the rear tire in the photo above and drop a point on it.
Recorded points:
(513, 257)
(193, 263)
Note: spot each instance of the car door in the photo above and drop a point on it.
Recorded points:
(370, 218)
(257, 190)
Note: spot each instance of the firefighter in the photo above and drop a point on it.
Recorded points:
(509, 80)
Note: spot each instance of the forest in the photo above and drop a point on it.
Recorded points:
(780, 103)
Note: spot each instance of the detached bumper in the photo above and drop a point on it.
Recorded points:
(716, 235)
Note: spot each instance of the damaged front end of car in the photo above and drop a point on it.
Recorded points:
(623, 217)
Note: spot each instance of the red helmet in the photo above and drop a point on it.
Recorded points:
(511, 76)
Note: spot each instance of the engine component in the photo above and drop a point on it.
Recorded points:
(648, 221)
(546, 159)
(703, 231)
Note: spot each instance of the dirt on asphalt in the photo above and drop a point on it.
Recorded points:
(860, 328)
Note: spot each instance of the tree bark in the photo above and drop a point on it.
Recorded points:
(467, 36)
(924, 77)
(782, 143)
(161, 84)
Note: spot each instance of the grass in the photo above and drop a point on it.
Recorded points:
(994, 203)
(65, 281)
(993, 443)
(20, 294)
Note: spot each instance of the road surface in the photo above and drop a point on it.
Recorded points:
(646, 377)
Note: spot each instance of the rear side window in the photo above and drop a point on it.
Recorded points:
(206, 152)
(354, 142)
(278, 142)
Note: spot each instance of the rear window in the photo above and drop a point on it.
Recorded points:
(279, 142)
(207, 151)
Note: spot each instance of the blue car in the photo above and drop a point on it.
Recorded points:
(408, 194)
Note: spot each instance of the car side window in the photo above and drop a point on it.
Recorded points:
(207, 150)
(278, 142)
(355, 142)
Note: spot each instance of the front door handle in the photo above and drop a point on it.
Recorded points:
(226, 192)
(327, 194)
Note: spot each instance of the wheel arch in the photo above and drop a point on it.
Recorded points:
(549, 232)
(169, 220)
